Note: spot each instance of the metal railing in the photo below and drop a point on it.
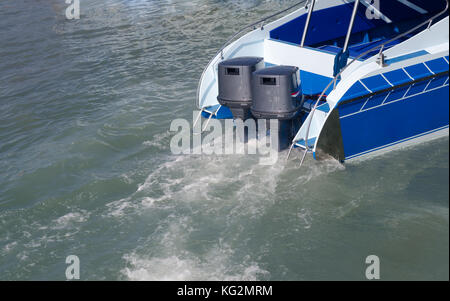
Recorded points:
(254, 26)
(333, 82)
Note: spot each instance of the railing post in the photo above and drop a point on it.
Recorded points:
(381, 58)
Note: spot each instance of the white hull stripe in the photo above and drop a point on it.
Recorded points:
(429, 68)
(360, 81)
(408, 74)
(382, 75)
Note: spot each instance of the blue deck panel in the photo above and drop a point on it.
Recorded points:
(358, 49)
(438, 65)
(313, 84)
(335, 50)
(397, 77)
(330, 22)
(418, 71)
(375, 83)
(356, 90)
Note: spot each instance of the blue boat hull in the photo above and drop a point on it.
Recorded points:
(384, 120)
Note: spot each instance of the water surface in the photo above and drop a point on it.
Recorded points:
(86, 168)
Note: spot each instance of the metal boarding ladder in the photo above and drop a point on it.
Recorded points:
(254, 25)
(308, 144)
(311, 141)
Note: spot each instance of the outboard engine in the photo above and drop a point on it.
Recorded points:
(277, 95)
(235, 88)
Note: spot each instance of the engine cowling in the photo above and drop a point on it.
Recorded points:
(235, 84)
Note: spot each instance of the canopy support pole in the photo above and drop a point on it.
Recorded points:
(308, 19)
(350, 28)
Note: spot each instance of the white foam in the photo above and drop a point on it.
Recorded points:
(22, 256)
(70, 219)
(198, 179)
(117, 208)
(204, 186)
(160, 141)
(172, 260)
(9, 247)
(215, 267)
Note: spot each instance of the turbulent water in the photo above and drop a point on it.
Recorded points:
(86, 167)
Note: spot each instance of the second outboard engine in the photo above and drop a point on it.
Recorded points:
(276, 95)
(235, 88)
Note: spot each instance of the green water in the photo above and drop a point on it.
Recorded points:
(86, 167)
